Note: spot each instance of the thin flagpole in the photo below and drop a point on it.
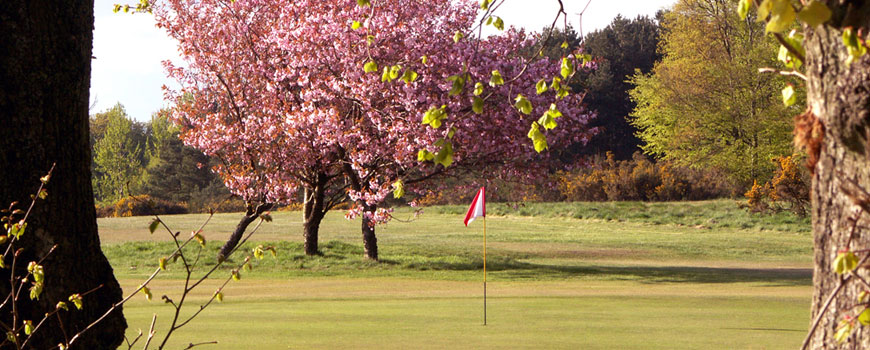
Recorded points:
(484, 270)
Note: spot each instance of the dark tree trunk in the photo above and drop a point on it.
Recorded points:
(370, 241)
(313, 214)
(839, 97)
(251, 214)
(45, 55)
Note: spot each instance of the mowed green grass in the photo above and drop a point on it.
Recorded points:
(555, 281)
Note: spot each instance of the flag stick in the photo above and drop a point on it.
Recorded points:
(484, 270)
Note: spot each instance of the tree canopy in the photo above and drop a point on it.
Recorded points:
(705, 104)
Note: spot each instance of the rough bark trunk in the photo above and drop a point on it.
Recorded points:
(250, 215)
(45, 55)
(839, 96)
(370, 241)
(312, 215)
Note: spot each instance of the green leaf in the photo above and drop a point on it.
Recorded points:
(76, 299)
(458, 84)
(567, 67)
(370, 39)
(424, 59)
(458, 36)
(394, 72)
(478, 89)
(153, 226)
(538, 138)
(36, 290)
(219, 296)
(743, 8)
(554, 111)
(853, 44)
(782, 15)
(788, 96)
(564, 45)
(498, 23)
(424, 155)
(845, 262)
(199, 238)
(434, 115)
(844, 331)
(556, 84)
(489, 20)
(477, 105)
(541, 86)
(563, 91)
(484, 4)
(451, 132)
(409, 76)
(795, 40)
(258, 253)
(355, 25)
(43, 194)
(238, 276)
(496, 79)
(61, 306)
(445, 155)
(385, 77)
(370, 66)
(523, 104)
(398, 189)
(28, 327)
(147, 292)
(162, 263)
(547, 121)
(815, 13)
(363, 3)
(864, 317)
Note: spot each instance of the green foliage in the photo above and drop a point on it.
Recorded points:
(621, 48)
(370, 66)
(854, 45)
(845, 262)
(815, 13)
(704, 105)
(523, 104)
(434, 116)
(538, 137)
(119, 155)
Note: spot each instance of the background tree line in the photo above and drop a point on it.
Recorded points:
(132, 158)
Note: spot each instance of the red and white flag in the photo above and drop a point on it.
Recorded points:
(478, 207)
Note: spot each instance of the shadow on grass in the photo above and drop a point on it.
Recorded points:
(512, 269)
(339, 258)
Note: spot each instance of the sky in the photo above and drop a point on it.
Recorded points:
(129, 49)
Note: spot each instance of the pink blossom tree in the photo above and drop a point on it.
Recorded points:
(382, 96)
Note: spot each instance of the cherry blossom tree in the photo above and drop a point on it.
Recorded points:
(382, 97)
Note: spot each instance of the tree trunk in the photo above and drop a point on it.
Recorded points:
(251, 214)
(839, 96)
(45, 55)
(312, 215)
(370, 241)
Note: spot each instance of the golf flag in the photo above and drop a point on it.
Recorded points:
(477, 210)
(478, 207)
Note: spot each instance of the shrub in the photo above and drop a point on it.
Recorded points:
(787, 190)
(140, 205)
(640, 179)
